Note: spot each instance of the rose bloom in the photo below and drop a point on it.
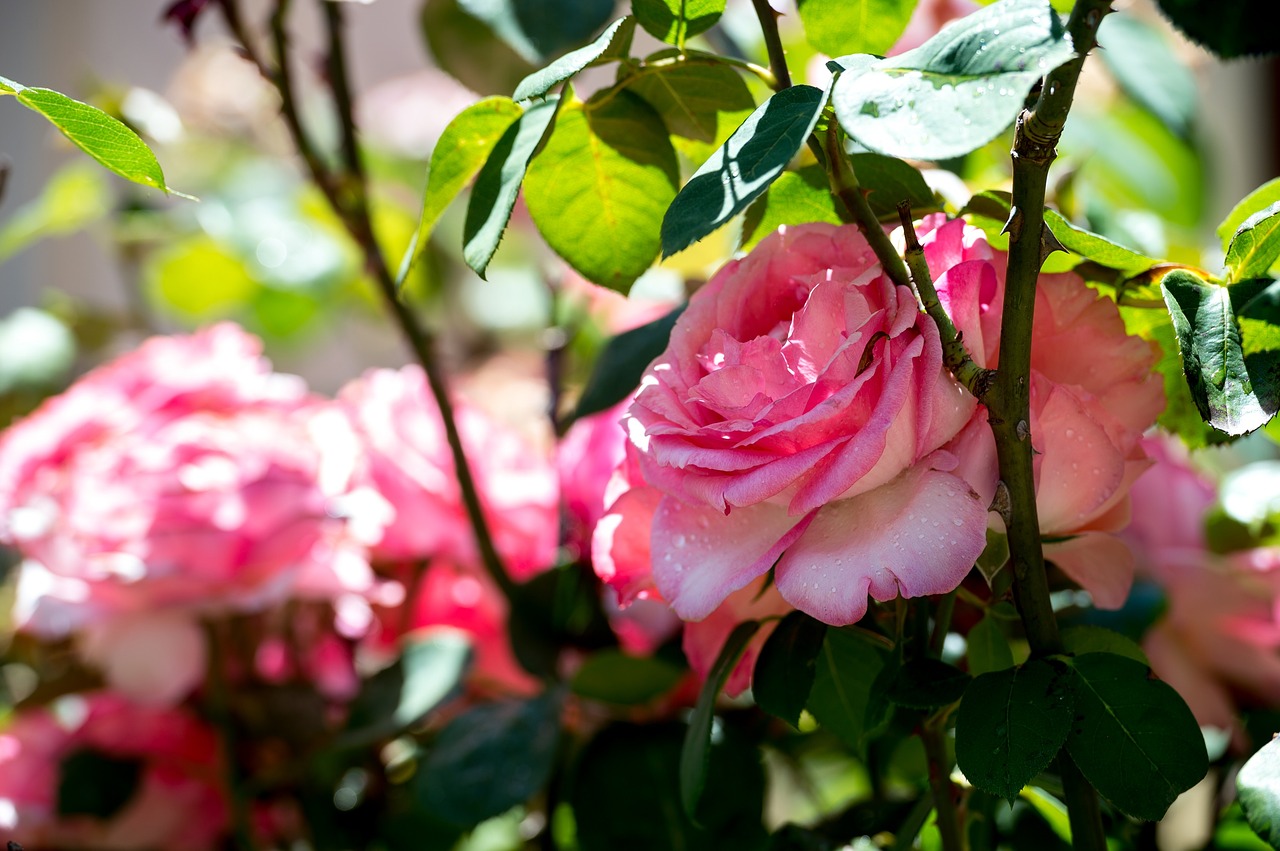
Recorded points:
(185, 479)
(178, 803)
(801, 420)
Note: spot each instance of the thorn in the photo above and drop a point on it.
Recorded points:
(1048, 243)
(1022, 430)
(1013, 226)
(1002, 504)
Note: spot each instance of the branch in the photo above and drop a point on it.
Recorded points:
(773, 43)
(845, 186)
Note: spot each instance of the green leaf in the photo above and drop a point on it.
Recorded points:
(927, 684)
(540, 82)
(540, 29)
(198, 279)
(692, 98)
(1258, 790)
(1133, 738)
(1257, 200)
(1012, 723)
(1230, 395)
(888, 181)
(1053, 811)
(95, 784)
(469, 50)
(598, 190)
(1180, 415)
(988, 648)
(1256, 245)
(1079, 640)
(1229, 30)
(498, 184)
(1097, 248)
(433, 671)
(73, 198)
(622, 362)
(841, 697)
(695, 756)
(958, 90)
(837, 27)
(742, 169)
(674, 21)
(612, 676)
(1147, 69)
(786, 666)
(462, 150)
(490, 759)
(93, 131)
(795, 198)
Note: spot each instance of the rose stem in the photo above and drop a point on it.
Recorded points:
(1035, 137)
(347, 193)
(773, 43)
(845, 186)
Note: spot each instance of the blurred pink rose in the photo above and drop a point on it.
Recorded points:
(183, 479)
(178, 803)
(929, 17)
(409, 464)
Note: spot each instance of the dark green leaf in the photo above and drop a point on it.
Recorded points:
(795, 198)
(927, 684)
(463, 148)
(598, 190)
(837, 27)
(1097, 248)
(433, 670)
(695, 756)
(692, 98)
(490, 759)
(625, 793)
(1256, 245)
(1011, 724)
(469, 50)
(540, 29)
(786, 666)
(888, 182)
(1234, 394)
(1148, 70)
(540, 82)
(498, 184)
(674, 21)
(958, 90)
(624, 359)
(1079, 640)
(93, 131)
(742, 169)
(1258, 790)
(91, 783)
(842, 695)
(1133, 738)
(1256, 201)
(1227, 29)
(1180, 415)
(614, 677)
(556, 609)
(988, 648)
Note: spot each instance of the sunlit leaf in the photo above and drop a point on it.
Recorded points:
(540, 82)
(674, 21)
(838, 27)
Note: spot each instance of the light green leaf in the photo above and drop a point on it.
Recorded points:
(1133, 738)
(795, 198)
(1256, 245)
(540, 82)
(459, 155)
(1148, 70)
(1053, 811)
(74, 197)
(1079, 640)
(691, 98)
(1259, 199)
(433, 671)
(1258, 789)
(1097, 248)
(93, 131)
(742, 169)
(498, 184)
(958, 90)
(198, 279)
(598, 190)
(674, 21)
(837, 27)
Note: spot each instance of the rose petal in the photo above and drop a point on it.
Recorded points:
(620, 545)
(1099, 563)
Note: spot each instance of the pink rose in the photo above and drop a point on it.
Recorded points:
(928, 17)
(800, 415)
(409, 464)
(178, 803)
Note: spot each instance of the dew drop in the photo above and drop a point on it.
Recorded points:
(957, 522)
(680, 540)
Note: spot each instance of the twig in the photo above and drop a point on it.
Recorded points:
(845, 186)
(935, 748)
(773, 43)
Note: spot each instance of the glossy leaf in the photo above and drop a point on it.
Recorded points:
(1133, 738)
(1147, 69)
(957, 91)
(1079, 640)
(540, 29)
(1012, 723)
(988, 648)
(612, 676)
(433, 671)
(1095, 247)
(786, 666)
(842, 695)
(490, 759)
(469, 50)
(1233, 394)
(674, 21)
(624, 359)
(498, 184)
(695, 756)
(458, 156)
(742, 169)
(1258, 790)
(838, 27)
(106, 139)
(1255, 245)
(1256, 201)
(692, 98)
(598, 191)
(1229, 30)
(795, 198)
(540, 82)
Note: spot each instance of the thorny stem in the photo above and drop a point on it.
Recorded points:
(773, 43)
(933, 734)
(1035, 139)
(845, 186)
